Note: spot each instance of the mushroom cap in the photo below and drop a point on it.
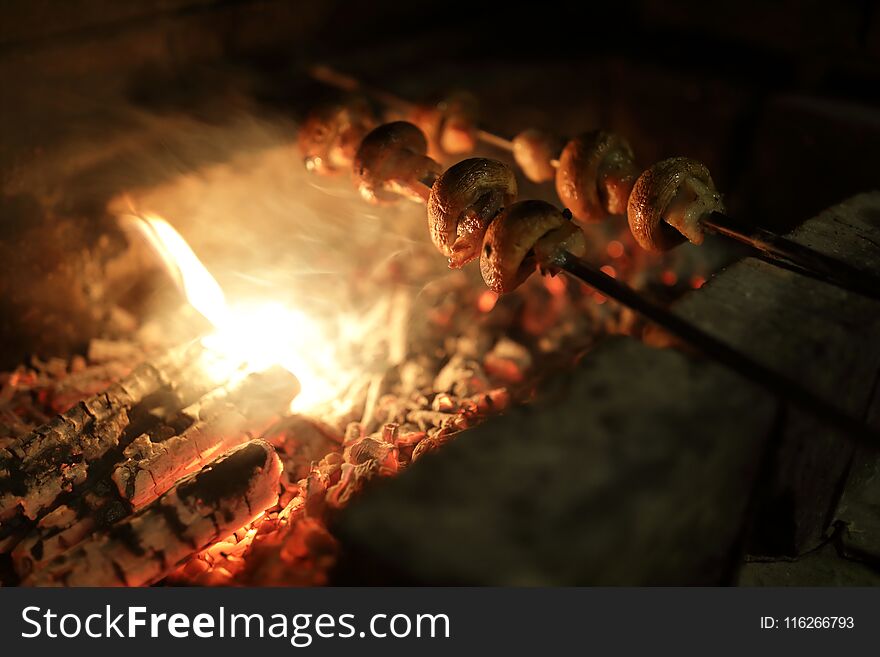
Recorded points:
(653, 192)
(330, 134)
(458, 133)
(392, 155)
(428, 119)
(476, 187)
(508, 257)
(450, 125)
(580, 182)
(534, 151)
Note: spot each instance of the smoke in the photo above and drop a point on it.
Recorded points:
(272, 233)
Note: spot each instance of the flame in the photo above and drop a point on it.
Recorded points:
(258, 334)
(202, 290)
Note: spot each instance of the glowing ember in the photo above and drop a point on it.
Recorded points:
(258, 333)
(615, 249)
(486, 301)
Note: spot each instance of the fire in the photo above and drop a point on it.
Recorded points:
(258, 333)
(202, 290)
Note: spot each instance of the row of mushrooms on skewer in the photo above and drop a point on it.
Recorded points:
(473, 211)
(595, 174)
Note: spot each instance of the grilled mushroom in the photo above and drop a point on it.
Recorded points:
(450, 125)
(392, 160)
(595, 175)
(329, 136)
(669, 200)
(462, 203)
(534, 152)
(523, 235)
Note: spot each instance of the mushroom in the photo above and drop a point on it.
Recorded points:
(595, 175)
(534, 152)
(392, 160)
(668, 202)
(450, 125)
(329, 136)
(523, 236)
(463, 201)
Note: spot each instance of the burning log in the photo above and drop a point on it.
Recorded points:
(203, 508)
(218, 423)
(50, 461)
(109, 351)
(215, 424)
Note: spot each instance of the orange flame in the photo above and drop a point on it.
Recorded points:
(259, 334)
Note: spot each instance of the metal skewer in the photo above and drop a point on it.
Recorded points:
(780, 385)
(778, 247)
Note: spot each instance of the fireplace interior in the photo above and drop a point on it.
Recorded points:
(220, 367)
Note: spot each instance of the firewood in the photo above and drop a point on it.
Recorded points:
(199, 510)
(218, 422)
(109, 351)
(55, 458)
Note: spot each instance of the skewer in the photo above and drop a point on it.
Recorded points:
(343, 82)
(472, 214)
(347, 83)
(778, 247)
(596, 175)
(782, 386)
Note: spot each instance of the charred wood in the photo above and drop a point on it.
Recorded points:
(203, 508)
(218, 422)
(38, 470)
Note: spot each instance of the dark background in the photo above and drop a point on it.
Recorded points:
(780, 99)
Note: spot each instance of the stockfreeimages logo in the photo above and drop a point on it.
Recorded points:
(299, 629)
